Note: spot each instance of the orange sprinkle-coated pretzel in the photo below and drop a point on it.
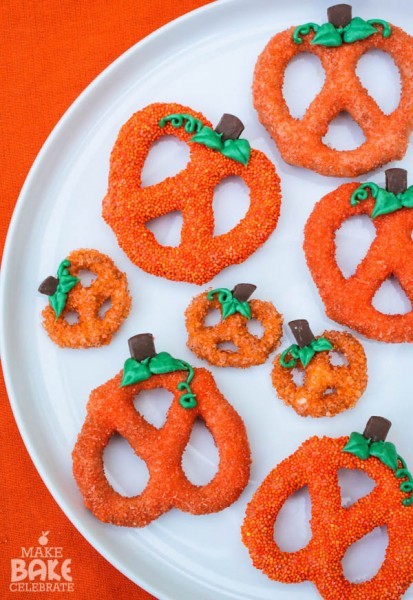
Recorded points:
(300, 141)
(327, 389)
(127, 206)
(204, 341)
(91, 330)
(111, 410)
(349, 300)
(334, 528)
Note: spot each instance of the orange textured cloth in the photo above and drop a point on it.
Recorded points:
(50, 51)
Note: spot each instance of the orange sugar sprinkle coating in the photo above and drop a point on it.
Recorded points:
(300, 141)
(111, 409)
(327, 389)
(128, 207)
(334, 528)
(349, 301)
(204, 341)
(91, 330)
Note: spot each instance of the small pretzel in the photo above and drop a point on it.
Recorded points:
(91, 330)
(128, 207)
(349, 300)
(300, 141)
(334, 527)
(327, 389)
(204, 341)
(111, 409)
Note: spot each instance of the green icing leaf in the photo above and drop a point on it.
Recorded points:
(386, 452)
(244, 309)
(327, 35)
(228, 308)
(407, 197)
(386, 202)
(208, 137)
(304, 30)
(385, 25)
(165, 363)
(358, 445)
(58, 302)
(67, 283)
(134, 372)
(321, 344)
(239, 150)
(358, 29)
(306, 354)
(293, 352)
(62, 269)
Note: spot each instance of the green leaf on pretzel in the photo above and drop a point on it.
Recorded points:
(332, 37)
(229, 304)
(304, 354)
(208, 137)
(385, 202)
(239, 150)
(66, 283)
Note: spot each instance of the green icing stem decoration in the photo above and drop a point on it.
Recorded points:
(304, 354)
(332, 37)
(238, 149)
(229, 304)
(385, 202)
(66, 283)
(386, 452)
(136, 371)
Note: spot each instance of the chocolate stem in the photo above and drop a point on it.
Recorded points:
(396, 180)
(242, 291)
(339, 15)
(377, 429)
(49, 286)
(141, 346)
(230, 126)
(302, 332)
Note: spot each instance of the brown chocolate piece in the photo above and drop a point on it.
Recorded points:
(339, 15)
(396, 180)
(377, 429)
(242, 291)
(141, 346)
(302, 332)
(230, 127)
(49, 286)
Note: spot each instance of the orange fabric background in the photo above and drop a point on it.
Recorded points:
(50, 51)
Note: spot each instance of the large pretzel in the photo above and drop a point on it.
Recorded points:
(91, 329)
(349, 300)
(111, 410)
(251, 350)
(327, 389)
(128, 207)
(300, 141)
(334, 528)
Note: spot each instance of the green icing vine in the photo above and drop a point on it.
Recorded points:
(238, 150)
(386, 452)
(304, 354)
(229, 304)
(385, 202)
(66, 283)
(135, 371)
(332, 37)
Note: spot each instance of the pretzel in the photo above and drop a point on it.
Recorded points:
(110, 410)
(128, 207)
(335, 528)
(300, 141)
(91, 330)
(236, 311)
(350, 300)
(327, 389)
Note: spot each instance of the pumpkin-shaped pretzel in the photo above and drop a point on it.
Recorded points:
(334, 528)
(349, 301)
(214, 155)
(326, 389)
(339, 44)
(67, 294)
(236, 310)
(111, 409)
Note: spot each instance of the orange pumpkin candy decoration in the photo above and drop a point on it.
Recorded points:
(236, 310)
(214, 155)
(339, 45)
(335, 528)
(111, 409)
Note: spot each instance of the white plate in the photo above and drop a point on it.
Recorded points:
(205, 60)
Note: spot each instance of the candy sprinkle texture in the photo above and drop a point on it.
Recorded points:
(128, 207)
